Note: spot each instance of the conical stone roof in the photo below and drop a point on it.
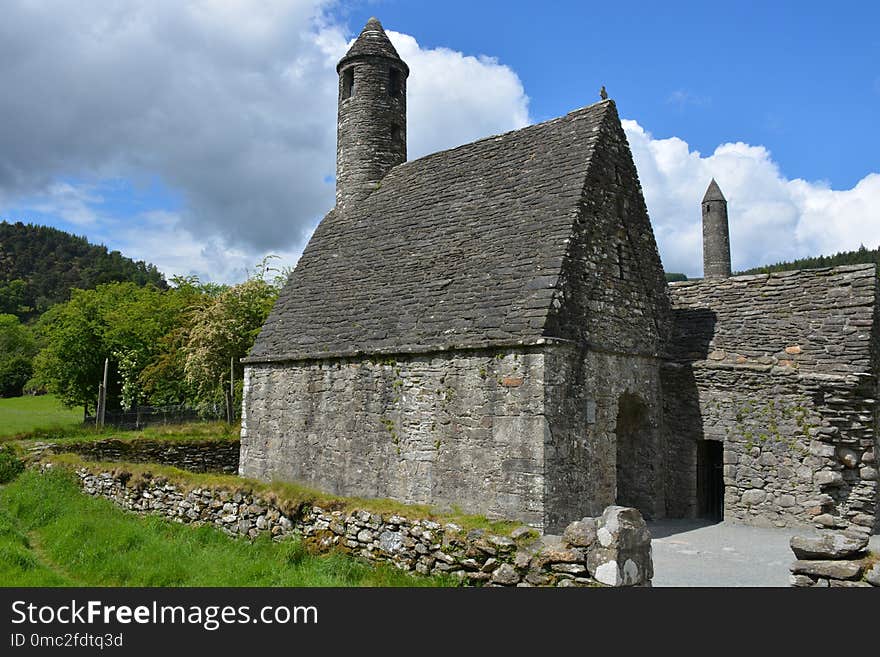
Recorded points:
(713, 193)
(372, 42)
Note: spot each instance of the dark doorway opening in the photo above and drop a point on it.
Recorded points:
(635, 458)
(710, 479)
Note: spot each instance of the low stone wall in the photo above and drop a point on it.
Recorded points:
(613, 549)
(192, 455)
(834, 559)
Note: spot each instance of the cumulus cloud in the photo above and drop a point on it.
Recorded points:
(231, 103)
(772, 218)
(454, 99)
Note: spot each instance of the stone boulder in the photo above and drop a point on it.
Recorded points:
(829, 545)
(580, 533)
(621, 555)
(829, 569)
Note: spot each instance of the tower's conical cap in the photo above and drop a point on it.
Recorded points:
(372, 42)
(713, 193)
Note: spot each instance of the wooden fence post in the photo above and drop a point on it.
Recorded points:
(102, 398)
(232, 389)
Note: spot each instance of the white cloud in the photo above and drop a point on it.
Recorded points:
(159, 237)
(74, 203)
(454, 99)
(231, 104)
(772, 218)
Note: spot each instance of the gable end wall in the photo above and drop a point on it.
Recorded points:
(612, 309)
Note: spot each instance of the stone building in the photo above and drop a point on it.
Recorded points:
(770, 389)
(489, 328)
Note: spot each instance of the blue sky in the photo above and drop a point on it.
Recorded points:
(200, 135)
(802, 78)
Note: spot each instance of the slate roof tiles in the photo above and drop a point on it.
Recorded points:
(459, 249)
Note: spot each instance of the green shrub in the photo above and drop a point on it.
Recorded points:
(10, 464)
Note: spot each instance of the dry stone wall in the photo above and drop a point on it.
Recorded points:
(193, 455)
(613, 549)
(834, 559)
(779, 368)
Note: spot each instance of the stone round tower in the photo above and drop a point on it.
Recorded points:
(371, 124)
(716, 235)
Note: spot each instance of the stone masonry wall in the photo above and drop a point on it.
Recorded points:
(460, 428)
(612, 309)
(595, 457)
(612, 294)
(192, 455)
(779, 368)
(613, 549)
(834, 559)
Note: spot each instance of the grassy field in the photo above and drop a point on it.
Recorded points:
(53, 535)
(24, 414)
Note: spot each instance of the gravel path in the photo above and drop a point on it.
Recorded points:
(693, 553)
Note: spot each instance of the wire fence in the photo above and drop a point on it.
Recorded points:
(147, 416)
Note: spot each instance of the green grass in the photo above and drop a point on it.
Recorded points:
(19, 415)
(194, 431)
(53, 535)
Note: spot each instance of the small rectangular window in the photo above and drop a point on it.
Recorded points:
(348, 84)
(394, 83)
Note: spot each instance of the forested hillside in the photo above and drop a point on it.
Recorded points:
(39, 265)
(861, 256)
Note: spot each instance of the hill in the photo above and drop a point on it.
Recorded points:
(859, 257)
(39, 265)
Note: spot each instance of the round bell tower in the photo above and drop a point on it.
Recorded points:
(371, 124)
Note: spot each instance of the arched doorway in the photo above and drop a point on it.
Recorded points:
(635, 455)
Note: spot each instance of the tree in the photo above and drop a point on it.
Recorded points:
(40, 265)
(13, 297)
(223, 330)
(164, 346)
(861, 256)
(116, 321)
(17, 350)
(163, 381)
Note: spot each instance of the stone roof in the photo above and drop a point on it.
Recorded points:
(818, 321)
(459, 249)
(372, 42)
(713, 192)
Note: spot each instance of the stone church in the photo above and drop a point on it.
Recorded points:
(489, 328)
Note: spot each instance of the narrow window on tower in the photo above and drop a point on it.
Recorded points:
(394, 83)
(620, 271)
(348, 83)
(396, 134)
